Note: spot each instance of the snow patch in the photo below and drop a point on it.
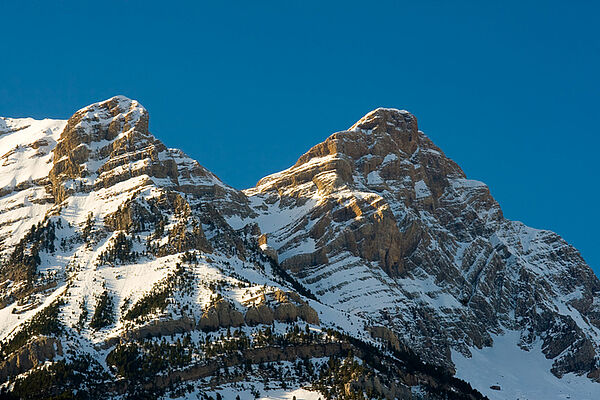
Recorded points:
(421, 190)
(520, 374)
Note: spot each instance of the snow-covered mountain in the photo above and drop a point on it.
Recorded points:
(373, 267)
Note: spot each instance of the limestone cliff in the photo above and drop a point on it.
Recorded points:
(370, 267)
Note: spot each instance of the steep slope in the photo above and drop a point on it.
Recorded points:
(120, 276)
(27, 147)
(378, 222)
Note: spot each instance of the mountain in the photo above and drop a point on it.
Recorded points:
(371, 268)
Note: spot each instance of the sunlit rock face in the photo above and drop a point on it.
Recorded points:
(377, 221)
(111, 241)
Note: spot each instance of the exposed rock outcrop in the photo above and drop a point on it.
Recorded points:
(162, 328)
(268, 250)
(381, 197)
(375, 225)
(220, 314)
(260, 314)
(308, 314)
(286, 312)
(281, 306)
(32, 355)
(385, 334)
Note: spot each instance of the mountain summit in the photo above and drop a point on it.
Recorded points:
(383, 225)
(371, 268)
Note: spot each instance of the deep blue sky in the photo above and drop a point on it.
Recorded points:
(509, 90)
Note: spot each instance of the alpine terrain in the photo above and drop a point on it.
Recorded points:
(372, 268)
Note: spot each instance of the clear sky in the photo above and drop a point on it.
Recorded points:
(509, 90)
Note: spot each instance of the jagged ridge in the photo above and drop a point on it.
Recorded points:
(131, 239)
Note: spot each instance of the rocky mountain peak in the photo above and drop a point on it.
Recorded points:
(382, 194)
(381, 150)
(109, 142)
(120, 241)
(381, 119)
(379, 132)
(97, 139)
(106, 120)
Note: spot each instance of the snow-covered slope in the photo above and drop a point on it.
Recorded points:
(499, 372)
(118, 266)
(26, 146)
(378, 222)
(131, 265)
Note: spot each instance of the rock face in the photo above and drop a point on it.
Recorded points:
(162, 328)
(268, 250)
(283, 307)
(286, 312)
(32, 355)
(386, 226)
(119, 128)
(385, 334)
(108, 142)
(261, 314)
(373, 233)
(308, 314)
(220, 315)
(288, 307)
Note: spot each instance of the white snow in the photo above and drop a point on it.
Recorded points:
(242, 389)
(374, 179)
(421, 190)
(25, 152)
(523, 375)
(390, 157)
